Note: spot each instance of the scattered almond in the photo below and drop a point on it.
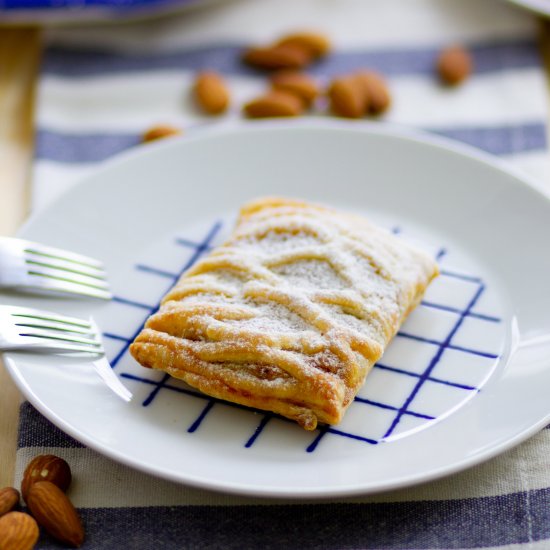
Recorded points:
(347, 97)
(286, 56)
(53, 510)
(299, 84)
(46, 468)
(316, 43)
(211, 93)
(160, 132)
(274, 104)
(18, 531)
(454, 65)
(9, 497)
(376, 90)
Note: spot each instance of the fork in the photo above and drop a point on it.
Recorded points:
(23, 328)
(32, 266)
(28, 329)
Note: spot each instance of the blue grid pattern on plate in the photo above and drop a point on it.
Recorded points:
(399, 412)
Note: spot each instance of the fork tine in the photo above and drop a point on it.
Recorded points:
(61, 337)
(65, 267)
(31, 313)
(51, 252)
(70, 288)
(46, 279)
(45, 344)
(62, 327)
(75, 278)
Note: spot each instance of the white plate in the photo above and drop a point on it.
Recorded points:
(467, 377)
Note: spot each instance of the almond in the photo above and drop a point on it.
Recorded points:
(9, 497)
(274, 104)
(18, 531)
(160, 132)
(316, 43)
(347, 97)
(299, 84)
(277, 57)
(53, 510)
(376, 90)
(46, 468)
(454, 65)
(211, 93)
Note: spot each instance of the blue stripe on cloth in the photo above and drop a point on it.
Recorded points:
(77, 148)
(226, 58)
(503, 140)
(36, 431)
(467, 523)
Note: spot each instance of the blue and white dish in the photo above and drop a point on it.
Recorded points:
(465, 379)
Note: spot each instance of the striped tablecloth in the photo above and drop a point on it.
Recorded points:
(101, 87)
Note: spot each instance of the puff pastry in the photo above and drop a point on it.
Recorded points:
(291, 313)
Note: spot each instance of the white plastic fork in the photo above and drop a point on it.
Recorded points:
(23, 328)
(25, 265)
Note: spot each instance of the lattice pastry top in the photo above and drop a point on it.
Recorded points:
(291, 313)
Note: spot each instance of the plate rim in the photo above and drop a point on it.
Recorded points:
(270, 492)
(407, 133)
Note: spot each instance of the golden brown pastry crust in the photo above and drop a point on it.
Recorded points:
(290, 314)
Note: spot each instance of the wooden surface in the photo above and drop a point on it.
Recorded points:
(19, 58)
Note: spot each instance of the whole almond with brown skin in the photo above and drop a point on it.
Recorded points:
(160, 132)
(317, 43)
(300, 84)
(18, 531)
(211, 93)
(376, 90)
(53, 510)
(276, 57)
(347, 97)
(46, 468)
(454, 65)
(274, 104)
(9, 497)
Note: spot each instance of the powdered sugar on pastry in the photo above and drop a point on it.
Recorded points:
(291, 313)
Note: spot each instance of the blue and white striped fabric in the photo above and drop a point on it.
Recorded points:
(101, 87)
